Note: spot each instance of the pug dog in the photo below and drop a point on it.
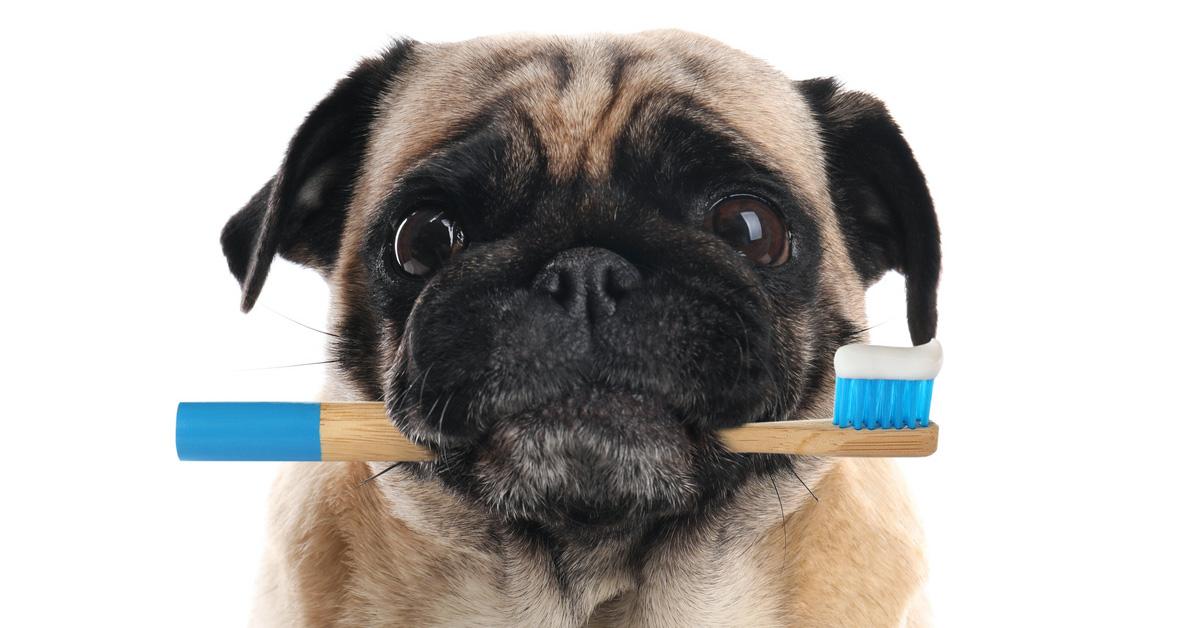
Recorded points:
(564, 264)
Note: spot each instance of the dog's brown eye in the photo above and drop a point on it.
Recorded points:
(752, 227)
(425, 240)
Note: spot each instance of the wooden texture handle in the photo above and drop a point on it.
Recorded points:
(820, 437)
(362, 431)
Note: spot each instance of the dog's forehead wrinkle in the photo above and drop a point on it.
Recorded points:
(572, 112)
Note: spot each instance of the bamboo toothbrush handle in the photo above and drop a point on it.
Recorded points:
(362, 431)
(820, 437)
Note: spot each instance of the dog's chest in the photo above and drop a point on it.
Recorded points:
(736, 591)
(732, 592)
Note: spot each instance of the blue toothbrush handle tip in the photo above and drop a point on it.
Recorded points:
(248, 431)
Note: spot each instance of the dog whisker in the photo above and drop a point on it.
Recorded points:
(782, 516)
(421, 394)
(792, 468)
(857, 333)
(388, 468)
(429, 415)
(286, 366)
(743, 347)
(442, 419)
(404, 395)
(288, 318)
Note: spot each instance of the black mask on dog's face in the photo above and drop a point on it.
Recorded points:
(570, 343)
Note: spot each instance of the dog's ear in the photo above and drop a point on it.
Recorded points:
(300, 212)
(882, 201)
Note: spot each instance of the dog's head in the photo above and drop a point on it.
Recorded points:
(564, 263)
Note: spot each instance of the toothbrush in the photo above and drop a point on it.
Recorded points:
(876, 387)
(884, 387)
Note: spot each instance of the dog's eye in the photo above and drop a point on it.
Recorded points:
(752, 227)
(425, 240)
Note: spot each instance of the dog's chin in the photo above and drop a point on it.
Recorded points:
(593, 460)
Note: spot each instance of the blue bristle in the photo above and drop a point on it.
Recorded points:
(881, 403)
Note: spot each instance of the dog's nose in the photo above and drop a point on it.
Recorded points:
(587, 281)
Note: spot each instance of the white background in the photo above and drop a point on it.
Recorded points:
(1059, 143)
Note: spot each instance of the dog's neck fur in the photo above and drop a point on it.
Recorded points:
(719, 572)
(725, 570)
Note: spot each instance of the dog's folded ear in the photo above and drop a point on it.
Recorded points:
(299, 213)
(883, 203)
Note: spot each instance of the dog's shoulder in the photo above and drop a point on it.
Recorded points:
(338, 555)
(862, 561)
(304, 574)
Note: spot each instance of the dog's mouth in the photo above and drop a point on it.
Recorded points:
(599, 459)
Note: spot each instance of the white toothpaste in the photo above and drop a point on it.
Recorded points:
(863, 361)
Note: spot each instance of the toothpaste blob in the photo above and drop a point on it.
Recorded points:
(863, 361)
(885, 387)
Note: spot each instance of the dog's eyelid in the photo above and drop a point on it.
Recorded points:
(405, 203)
(767, 196)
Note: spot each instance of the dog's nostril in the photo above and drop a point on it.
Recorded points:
(620, 281)
(562, 287)
(587, 281)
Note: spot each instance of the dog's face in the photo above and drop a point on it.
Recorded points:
(565, 263)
